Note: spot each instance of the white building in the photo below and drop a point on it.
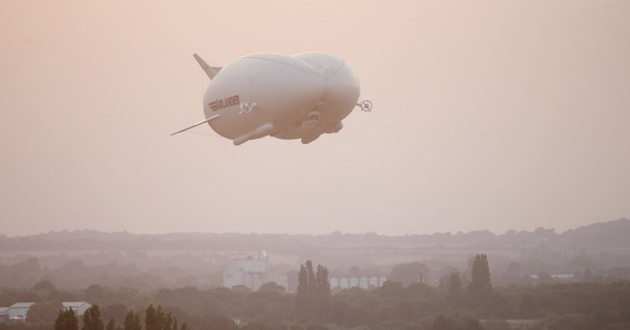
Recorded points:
(353, 282)
(4, 315)
(252, 274)
(78, 307)
(17, 311)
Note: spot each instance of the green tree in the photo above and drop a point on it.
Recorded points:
(116, 311)
(454, 292)
(480, 285)
(92, 319)
(272, 286)
(472, 324)
(94, 293)
(44, 312)
(311, 290)
(301, 298)
(322, 298)
(316, 326)
(151, 319)
(313, 299)
(158, 319)
(132, 321)
(111, 325)
(43, 285)
(66, 320)
(409, 273)
(442, 323)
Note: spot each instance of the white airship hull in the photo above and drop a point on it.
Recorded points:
(287, 97)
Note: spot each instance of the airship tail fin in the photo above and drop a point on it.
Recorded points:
(211, 71)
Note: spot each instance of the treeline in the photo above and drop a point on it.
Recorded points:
(587, 306)
(453, 305)
(154, 319)
(135, 270)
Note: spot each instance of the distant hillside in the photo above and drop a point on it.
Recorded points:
(612, 234)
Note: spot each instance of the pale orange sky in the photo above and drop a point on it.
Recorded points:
(487, 115)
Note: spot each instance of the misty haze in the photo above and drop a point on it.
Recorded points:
(317, 165)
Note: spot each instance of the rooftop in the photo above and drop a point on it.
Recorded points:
(73, 304)
(22, 305)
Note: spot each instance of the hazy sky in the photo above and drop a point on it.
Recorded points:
(487, 115)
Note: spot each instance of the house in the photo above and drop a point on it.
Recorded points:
(78, 307)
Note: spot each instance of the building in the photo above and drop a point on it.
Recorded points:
(78, 307)
(4, 315)
(361, 282)
(17, 311)
(252, 274)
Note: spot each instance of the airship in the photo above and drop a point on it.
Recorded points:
(287, 97)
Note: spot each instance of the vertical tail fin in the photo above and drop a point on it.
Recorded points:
(211, 71)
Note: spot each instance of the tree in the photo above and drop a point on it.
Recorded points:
(272, 286)
(94, 293)
(311, 289)
(316, 326)
(151, 321)
(480, 285)
(132, 321)
(323, 294)
(390, 289)
(409, 273)
(110, 325)
(116, 311)
(512, 273)
(313, 299)
(472, 324)
(301, 298)
(43, 285)
(44, 312)
(527, 306)
(454, 292)
(441, 323)
(158, 319)
(66, 320)
(92, 319)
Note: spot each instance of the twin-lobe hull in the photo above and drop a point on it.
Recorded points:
(299, 97)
